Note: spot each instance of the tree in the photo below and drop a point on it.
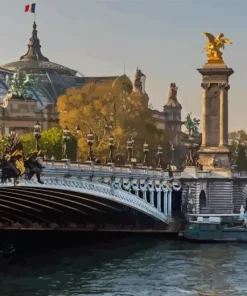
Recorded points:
(235, 139)
(105, 110)
(28, 142)
(3, 144)
(241, 159)
(50, 142)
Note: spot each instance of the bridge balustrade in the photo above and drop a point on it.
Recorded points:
(90, 166)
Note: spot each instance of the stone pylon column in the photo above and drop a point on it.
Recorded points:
(205, 88)
(223, 128)
(214, 152)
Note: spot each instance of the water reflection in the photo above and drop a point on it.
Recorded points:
(127, 266)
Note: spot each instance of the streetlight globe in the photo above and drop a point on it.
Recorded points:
(78, 129)
(90, 138)
(145, 147)
(66, 130)
(37, 126)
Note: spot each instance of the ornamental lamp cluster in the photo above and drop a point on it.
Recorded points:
(66, 138)
(129, 147)
(111, 146)
(145, 151)
(159, 153)
(37, 133)
(90, 138)
(90, 141)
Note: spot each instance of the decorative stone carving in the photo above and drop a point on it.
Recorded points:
(205, 86)
(224, 86)
(216, 163)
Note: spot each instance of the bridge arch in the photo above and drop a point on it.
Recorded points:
(151, 201)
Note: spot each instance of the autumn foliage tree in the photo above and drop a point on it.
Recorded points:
(107, 110)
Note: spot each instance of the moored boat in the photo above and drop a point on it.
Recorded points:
(216, 227)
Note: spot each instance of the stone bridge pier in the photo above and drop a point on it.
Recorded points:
(214, 192)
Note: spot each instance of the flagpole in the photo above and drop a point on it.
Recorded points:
(34, 12)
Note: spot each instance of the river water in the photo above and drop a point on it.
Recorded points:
(124, 267)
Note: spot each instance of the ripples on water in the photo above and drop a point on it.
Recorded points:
(126, 267)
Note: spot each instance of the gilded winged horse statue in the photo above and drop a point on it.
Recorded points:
(213, 46)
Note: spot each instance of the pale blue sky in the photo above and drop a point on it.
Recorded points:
(161, 37)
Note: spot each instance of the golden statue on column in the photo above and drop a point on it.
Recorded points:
(213, 46)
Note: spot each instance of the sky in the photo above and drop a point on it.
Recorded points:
(161, 37)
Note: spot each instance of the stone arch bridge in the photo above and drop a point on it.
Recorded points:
(88, 197)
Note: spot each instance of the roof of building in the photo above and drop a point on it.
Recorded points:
(172, 98)
(50, 80)
(34, 61)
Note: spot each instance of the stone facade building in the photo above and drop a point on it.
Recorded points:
(50, 80)
(170, 118)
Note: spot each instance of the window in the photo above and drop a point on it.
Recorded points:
(202, 200)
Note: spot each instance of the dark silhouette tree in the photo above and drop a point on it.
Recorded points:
(241, 159)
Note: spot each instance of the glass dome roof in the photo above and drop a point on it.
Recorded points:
(50, 79)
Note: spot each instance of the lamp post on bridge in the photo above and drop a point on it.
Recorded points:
(191, 158)
(90, 141)
(111, 146)
(37, 134)
(159, 153)
(108, 129)
(78, 130)
(145, 151)
(172, 160)
(12, 135)
(66, 137)
(130, 150)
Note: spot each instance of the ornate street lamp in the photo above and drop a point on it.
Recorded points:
(159, 153)
(12, 135)
(172, 160)
(90, 141)
(37, 133)
(145, 151)
(108, 127)
(130, 150)
(191, 146)
(111, 146)
(66, 137)
(78, 130)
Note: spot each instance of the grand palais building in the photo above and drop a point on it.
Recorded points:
(50, 80)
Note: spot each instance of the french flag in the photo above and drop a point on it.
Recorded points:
(30, 8)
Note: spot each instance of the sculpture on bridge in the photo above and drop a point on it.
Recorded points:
(33, 167)
(14, 165)
(12, 162)
(191, 125)
(213, 46)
